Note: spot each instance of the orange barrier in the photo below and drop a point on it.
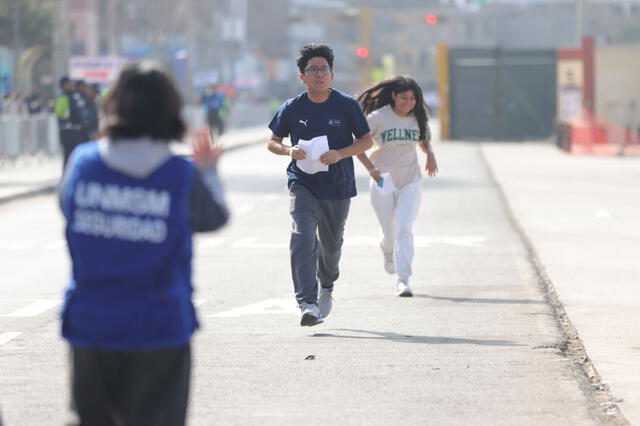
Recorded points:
(587, 134)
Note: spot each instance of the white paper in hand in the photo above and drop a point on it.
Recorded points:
(314, 149)
(387, 186)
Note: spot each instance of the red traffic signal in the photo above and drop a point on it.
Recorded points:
(431, 18)
(362, 52)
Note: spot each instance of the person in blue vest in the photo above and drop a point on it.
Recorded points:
(320, 200)
(216, 108)
(131, 207)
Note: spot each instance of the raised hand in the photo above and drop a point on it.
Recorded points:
(206, 152)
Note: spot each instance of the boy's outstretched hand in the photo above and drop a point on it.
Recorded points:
(206, 152)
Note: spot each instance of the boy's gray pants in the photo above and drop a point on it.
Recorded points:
(316, 241)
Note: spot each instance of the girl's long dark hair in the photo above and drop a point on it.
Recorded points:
(379, 95)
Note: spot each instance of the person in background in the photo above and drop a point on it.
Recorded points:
(34, 102)
(398, 119)
(6, 99)
(90, 108)
(69, 111)
(216, 108)
(130, 207)
(320, 201)
(13, 104)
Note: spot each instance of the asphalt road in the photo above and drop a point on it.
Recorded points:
(477, 344)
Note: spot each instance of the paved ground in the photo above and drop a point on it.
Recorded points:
(578, 218)
(582, 217)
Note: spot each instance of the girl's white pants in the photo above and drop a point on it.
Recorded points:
(396, 213)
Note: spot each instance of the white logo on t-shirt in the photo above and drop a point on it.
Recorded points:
(304, 122)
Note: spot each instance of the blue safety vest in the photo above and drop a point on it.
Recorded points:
(130, 244)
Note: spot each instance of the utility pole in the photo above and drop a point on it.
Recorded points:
(365, 27)
(579, 6)
(61, 49)
(17, 41)
(113, 27)
(191, 32)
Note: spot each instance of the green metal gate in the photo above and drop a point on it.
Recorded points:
(502, 94)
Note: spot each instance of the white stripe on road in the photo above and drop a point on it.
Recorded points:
(8, 336)
(268, 307)
(361, 241)
(452, 240)
(244, 209)
(35, 308)
(250, 242)
(56, 245)
(419, 241)
(208, 242)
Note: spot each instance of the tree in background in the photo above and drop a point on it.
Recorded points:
(35, 24)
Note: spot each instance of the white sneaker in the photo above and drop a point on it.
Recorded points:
(403, 289)
(389, 264)
(310, 315)
(325, 302)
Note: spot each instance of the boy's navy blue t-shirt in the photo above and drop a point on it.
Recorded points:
(340, 118)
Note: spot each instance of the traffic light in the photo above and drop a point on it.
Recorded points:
(362, 52)
(431, 18)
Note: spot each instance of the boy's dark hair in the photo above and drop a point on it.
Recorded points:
(379, 95)
(144, 102)
(313, 50)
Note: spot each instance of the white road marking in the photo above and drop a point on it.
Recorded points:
(266, 307)
(56, 245)
(8, 336)
(602, 214)
(361, 241)
(23, 245)
(452, 240)
(250, 242)
(208, 242)
(199, 302)
(34, 309)
(243, 209)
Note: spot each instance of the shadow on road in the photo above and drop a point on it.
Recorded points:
(432, 340)
(476, 300)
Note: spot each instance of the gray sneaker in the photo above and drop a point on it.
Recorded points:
(310, 315)
(325, 302)
(403, 289)
(389, 263)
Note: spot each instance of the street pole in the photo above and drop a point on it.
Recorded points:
(113, 24)
(365, 27)
(191, 31)
(579, 21)
(60, 41)
(17, 42)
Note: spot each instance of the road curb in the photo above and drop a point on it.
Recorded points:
(51, 187)
(43, 190)
(603, 404)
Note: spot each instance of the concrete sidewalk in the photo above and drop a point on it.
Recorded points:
(32, 176)
(581, 217)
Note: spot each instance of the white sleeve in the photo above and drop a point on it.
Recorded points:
(374, 123)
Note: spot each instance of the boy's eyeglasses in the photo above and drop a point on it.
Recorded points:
(317, 71)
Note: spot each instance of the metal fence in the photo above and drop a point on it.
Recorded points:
(37, 135)
(28, 135)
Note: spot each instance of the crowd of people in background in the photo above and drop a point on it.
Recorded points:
(14, 104)
(76, 109)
